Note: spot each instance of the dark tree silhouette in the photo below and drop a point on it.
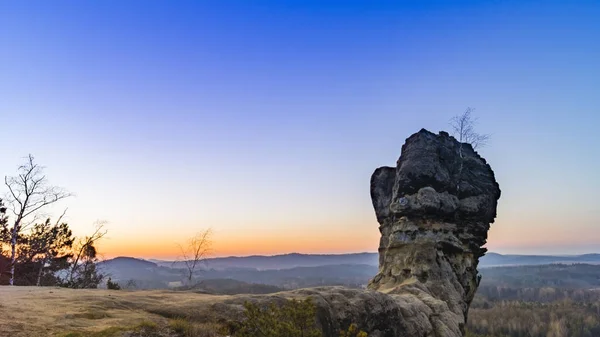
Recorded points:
(4, 237)
(48, 246)
(83, 272)
(29, 193)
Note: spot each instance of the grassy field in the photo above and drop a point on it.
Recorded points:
(44, 311)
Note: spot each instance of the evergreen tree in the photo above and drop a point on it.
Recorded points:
(4, 239)
(46, 250)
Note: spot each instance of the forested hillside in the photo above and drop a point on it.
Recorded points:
(537, 301)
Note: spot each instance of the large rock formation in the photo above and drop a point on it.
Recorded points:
(434, 209)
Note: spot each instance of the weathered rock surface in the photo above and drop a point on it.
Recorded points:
(434, 210)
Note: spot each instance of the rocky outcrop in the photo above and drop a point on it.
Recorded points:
(434, 210)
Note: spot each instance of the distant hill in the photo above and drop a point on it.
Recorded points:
(283, 272)
(497, 260)
(573, 275)
(285, 261)
(351, 275)
(146, 274)
(288, 261)
(128, 262)
(291, 271)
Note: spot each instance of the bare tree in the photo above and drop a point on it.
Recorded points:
(83, 273)
(29, 193)
(463, 126)
(197, 250)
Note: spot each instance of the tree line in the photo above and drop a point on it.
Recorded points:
(34, 249)
(537, 301)
(517, 318)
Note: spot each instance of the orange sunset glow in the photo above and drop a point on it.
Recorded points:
(224, 245)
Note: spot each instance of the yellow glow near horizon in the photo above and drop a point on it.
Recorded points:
(536, 233)
(349, 242)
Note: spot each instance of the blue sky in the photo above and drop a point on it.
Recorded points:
(265, 119)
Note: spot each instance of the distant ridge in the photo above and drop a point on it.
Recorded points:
(498, 260)
(293, 260)
(126, 261)
(283, 261)
(294, 270)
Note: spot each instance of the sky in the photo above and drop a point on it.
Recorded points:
(264, 120)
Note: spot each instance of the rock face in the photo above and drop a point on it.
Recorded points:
(434, 210)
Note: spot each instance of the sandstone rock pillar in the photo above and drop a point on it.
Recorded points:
(434, 210)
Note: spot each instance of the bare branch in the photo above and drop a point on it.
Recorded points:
(464, 130)
(61, 216)
(83, 244)
(12, 192)
(198, 248)
(46, 200)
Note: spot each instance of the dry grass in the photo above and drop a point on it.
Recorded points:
(185, 328)
(41, 311)
(108, 332)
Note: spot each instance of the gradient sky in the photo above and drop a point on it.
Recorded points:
(265, 119)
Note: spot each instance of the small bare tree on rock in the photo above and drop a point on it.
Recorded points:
(29, 193)
(197, 250)
(463, 126)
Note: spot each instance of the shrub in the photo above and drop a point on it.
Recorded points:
(112, 285)
(185, 328)
(179, 325)
(146, 327)
(353, 331)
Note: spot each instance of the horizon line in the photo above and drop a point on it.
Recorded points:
(333, 254)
